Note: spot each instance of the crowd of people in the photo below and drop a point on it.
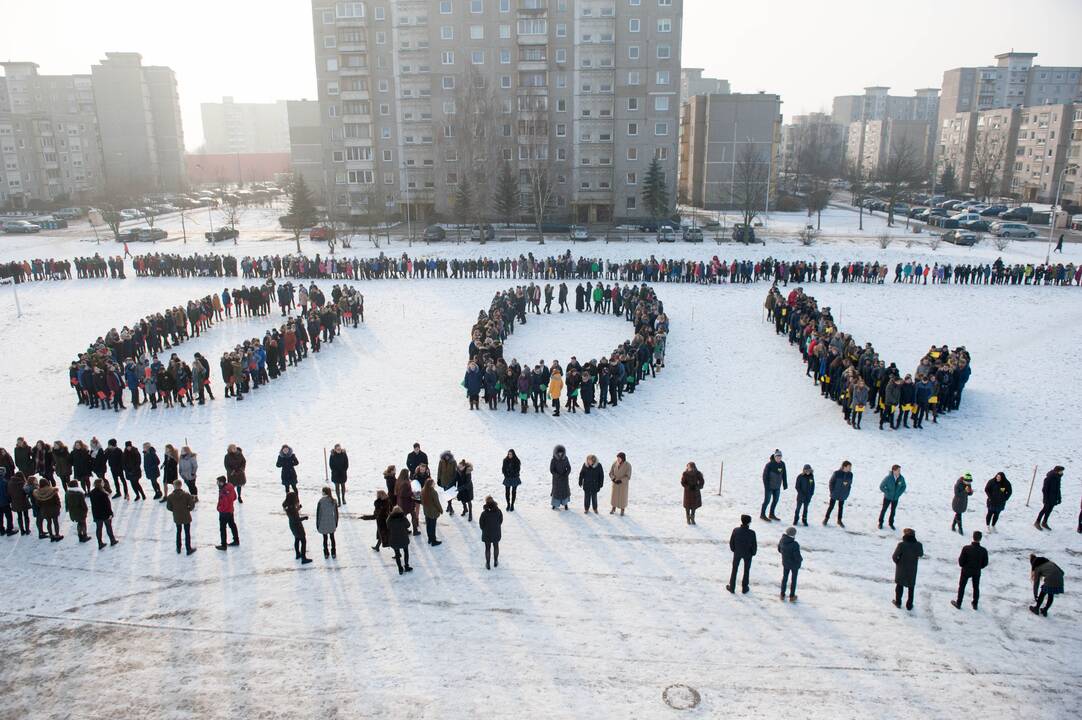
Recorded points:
(42, 481)
(856, 378)
(599, 383)
(527, 266)
(131, 358)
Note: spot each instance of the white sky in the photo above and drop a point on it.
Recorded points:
(259, 50)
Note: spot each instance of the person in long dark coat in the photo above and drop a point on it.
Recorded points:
(235, 469)
(998, 491)
(75, 502)
(292, 507)
(791, 560)
(692, 481)
(743, 545)
(288, 462)
(1051, 496)
(805, 489)
(398, 536)
(512, 478)
(101, 509)
(491, 522)
(339, 465)
(381, 509)
(906, 557)
(963, 488)
(560, 468)
(972, 560)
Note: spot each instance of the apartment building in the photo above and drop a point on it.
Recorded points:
(1072, 179)
(1041, 151)
(869, 145)
(877, 104)
(693, 83)
(818, 128)
(49, 141)
(980, 147)
(1014, 81)
(142, 137)
(421, 97)
(717, 133)
(245, 128)
(306, 147)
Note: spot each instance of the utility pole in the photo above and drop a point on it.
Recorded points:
(1052, 220)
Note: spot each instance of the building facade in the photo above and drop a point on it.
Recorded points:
(717, 134)
(306, 151)
(1072, 180)
(1041, 151)
(421, 97)
(246, 128)
(693, 83)
(1014, 81)
(818, 128)
(980, 147)
(869, 145)
(142, 137)
(49, 139)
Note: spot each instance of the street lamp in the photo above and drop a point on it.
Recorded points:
(1052, 219)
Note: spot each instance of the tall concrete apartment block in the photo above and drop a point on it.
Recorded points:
(877, 104)
(306, 142)
(717, 132)
(981, 148)
(590, 88)
(233, 127)
(142, 137)
(1014, 81)
(1044, 139)
(1072, 180)
(693, 83)
(49, 142)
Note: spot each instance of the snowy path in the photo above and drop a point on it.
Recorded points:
(585, 616)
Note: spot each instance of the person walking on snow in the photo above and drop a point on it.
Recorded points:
(972, 560)
(774, 481)
(1051, 496)
(692, 481)
(288, 462)
(743, 546)
(841, 482)
(998, 491)
(906, 557)
(791, 559)
(963, 488)
(327, 522)
(292, 507)
(227, 495)
(490, 522)
(892, 487)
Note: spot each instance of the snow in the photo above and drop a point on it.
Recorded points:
(585, 616)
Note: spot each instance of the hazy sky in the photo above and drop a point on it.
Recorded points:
(261, 50)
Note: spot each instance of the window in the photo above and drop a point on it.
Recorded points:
(388, 178)
(505, 82)
(477, 32)
(449, 83)
(505, 32)
(380, 13)
(452, 178)
(661, 153)
(661, 103)
(362, 177)
(332, 110)
(561, 80)
(384, 86)
(337, 156)
(561, 130)
(634, 3)
(505, 56)
(349, 9)
(561, 154)
(447, 57)
(664, 3)
(633, 77)
(477, 57)
(632, 153)
(664, 25)
(632, 129)
(632, 52)
(561, 105)
(505, 5)
(332, 64)
(633, 25)
(664, 52)
(381, 38)
(561, 30)
(328, 17)
(662, 77)
(630, 205)
(385, 133)
(330, 41)
(532, 26)
(445, 7)
(447, 32)
(387, 155)
(358, 153)
(561, 55)
(633, 104)
(632, 178)
(661, 128)
(332, 88)
(477, 6)
(384, 109)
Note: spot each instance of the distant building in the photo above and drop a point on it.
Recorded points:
(878, 104)
(1072, 180)
(142, 138)
(869, 145)
(234, 168)
(1041, 152)
(812, 127)
(1014, 81)
(233, 127)
(981, 148)
(49, 140)
(693, 83)
(717, 131)
(306, 143)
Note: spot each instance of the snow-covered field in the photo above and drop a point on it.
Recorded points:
(586, 616)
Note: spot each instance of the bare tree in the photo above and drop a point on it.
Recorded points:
(471, 143)
(988, 158)
(537, 168)
(902, 168)
(751, 176)
(820, 161)
(855, 174)
(232, 213)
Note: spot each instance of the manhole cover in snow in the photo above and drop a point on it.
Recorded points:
(681, 697)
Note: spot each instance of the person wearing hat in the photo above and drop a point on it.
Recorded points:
(774, 481)
(805, 488)
(973, 559)
(1051, 496)
(743, 545)
(791, 560)
(963, 488)
(1048, 576)
(906, 557)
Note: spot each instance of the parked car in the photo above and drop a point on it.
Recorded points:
(963, 218)
(222, 233)
(1013, 230)
(994, 210)
(321, 232)
(980, 225)
(651, 226)
(960, 237)
(942, 221)
(1019, 213)
(434, 233)
(72, 213)
(482, 233)
(666, 234)
(693, 234)
(130, 214)
(743, 233)
(20, 226)
(916, 211)
(151, 234)
(949, 204)
(1076, 222)
(711, 224)
(578, 233)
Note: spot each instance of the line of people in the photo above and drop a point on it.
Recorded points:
(856, 378)
(597, 382)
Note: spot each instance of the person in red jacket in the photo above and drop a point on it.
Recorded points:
(227, 495)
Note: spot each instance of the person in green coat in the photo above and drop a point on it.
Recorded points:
(892, 487)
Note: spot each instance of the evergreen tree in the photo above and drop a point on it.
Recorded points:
(464, 198)
(655, 193)
(948, 181)
(302, 209)
(507, 194)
